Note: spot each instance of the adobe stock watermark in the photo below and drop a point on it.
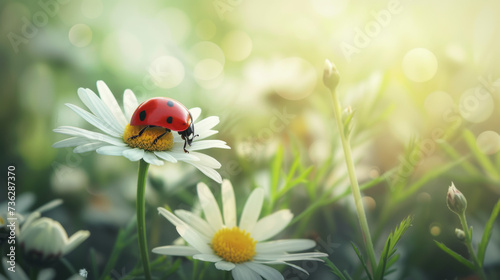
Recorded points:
(31, 26)
(223, 6)
(454, 116)
(364, 36)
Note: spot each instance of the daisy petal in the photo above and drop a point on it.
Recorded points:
(314, 256)
(252, 209)
(129, 103)
(206, 124)
(152, 159)
(228, 204)
(80, 132)
(289, 264)
(265, 271)
(112, 150)
(210, 207)
(207, 257)
(98, 108)
(195, 222)
(178, 153)
(165, 156)
(223, 265)
(243, 272)
(208, 144)
(72, 142)
(271, 225)
(110, 101)
(287, 245)
(133, 154)
(75, 240)
(210, 172)
(206, 160)
(88, 147)
(206, 134)
(174, 250)
(93, 120)
(171, 217)
(194, 239)
(195, 113)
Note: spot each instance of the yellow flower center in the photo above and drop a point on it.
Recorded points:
(147, 139)
(233, 245)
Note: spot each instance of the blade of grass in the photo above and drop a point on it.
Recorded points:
(362, 261)
(487, 233)
(455, 155)
(454, 255)
(335, 270)
(483, 160)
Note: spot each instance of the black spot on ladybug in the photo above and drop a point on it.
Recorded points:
(170, 103)
(142, 115)
(169, 119)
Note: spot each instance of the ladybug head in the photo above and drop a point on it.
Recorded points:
(188, 134)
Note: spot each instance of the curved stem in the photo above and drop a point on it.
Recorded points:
(356, 193)
(468, 243)
(141, 219)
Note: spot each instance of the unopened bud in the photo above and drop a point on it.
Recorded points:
(330, 75)
(460, 234)
(456, 200)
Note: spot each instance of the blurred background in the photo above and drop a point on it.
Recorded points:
(422, 78)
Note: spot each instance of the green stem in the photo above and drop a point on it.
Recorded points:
(141, 219)
(356, 193)
(33, 273)
(468, 243)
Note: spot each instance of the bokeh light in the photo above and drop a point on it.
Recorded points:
(80, 35)
(294, 78)
(488, 142)
(420, 65)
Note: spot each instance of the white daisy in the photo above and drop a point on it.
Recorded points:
(239, 248)
(106, 115)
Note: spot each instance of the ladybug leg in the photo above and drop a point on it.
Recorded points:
(160, 136)
(140, 133)
(185, 142)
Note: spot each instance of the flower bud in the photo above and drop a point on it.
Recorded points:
(330, 75)
(460, 234)
(456, 200)
(44, 240)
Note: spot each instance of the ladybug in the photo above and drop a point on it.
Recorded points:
(167, 113)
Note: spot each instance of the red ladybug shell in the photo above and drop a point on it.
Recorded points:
(162, 111)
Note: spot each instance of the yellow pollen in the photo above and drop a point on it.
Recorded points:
(234, 245)
(145, 141)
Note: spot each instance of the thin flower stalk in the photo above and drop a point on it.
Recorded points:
(331, 79)
(468, 242)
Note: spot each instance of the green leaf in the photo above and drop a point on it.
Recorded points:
(456, 256)
(388, 256)
(362, 261)
(482, 158)
(487, 233)
(275, 170)
(335, 270)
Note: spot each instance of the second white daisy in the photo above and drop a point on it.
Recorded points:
(240, 248)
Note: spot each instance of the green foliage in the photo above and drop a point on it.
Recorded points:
(335, 270)
(361, 259)
(456, 256)
(483, 160)
(487, 233)
(389, 256)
